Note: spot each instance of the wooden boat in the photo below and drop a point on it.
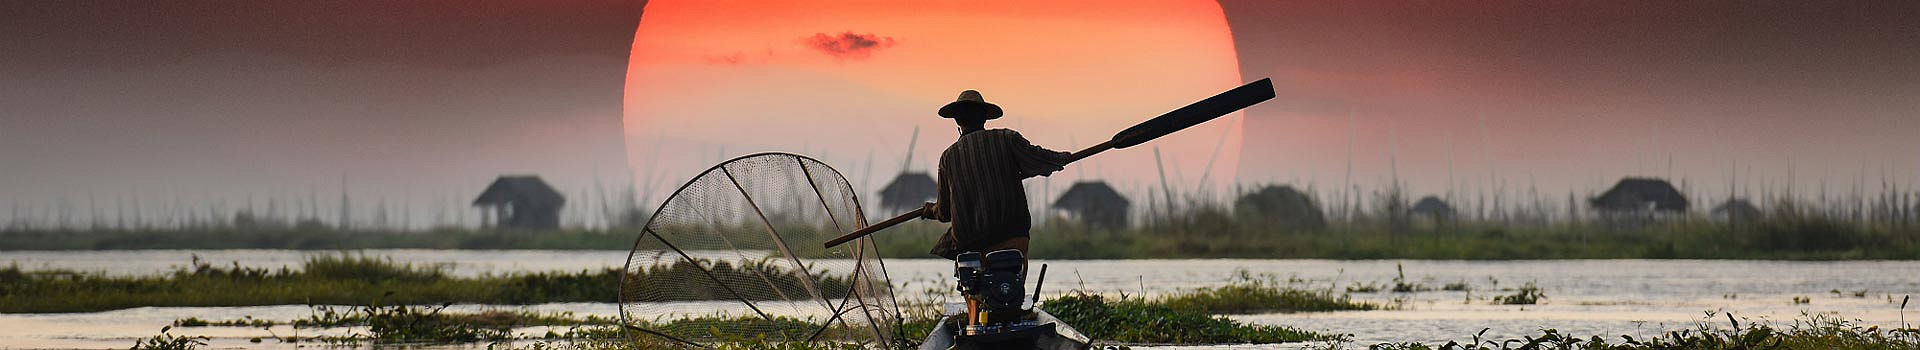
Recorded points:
(1048, 333)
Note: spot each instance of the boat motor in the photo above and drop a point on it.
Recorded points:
(994, 286)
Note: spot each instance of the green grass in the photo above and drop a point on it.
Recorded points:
(1809, 332)
(1141, 321)
(356, 280)
(1256, 299)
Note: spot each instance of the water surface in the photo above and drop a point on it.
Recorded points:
(1585, 297)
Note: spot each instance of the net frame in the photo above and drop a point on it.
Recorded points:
(864, 300)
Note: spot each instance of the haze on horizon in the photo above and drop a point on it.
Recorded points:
(420, 104)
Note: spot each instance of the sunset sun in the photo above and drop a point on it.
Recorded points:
(850, 81)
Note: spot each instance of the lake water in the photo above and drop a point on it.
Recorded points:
(1585, 297)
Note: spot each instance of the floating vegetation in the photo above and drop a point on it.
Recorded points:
(247, 321)
(351, 280)
(1528, 294)
(1187, 318)
(1810, 332)
(1261, 297)
(1140, 321)
(167, 341)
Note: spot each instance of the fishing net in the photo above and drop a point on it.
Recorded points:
(735, 254)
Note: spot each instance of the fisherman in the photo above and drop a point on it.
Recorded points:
(979, 181)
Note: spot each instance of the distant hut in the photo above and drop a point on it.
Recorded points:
(521, 202)
(1640, 196)
(1737, 210)
(907, 192)
(1433, 207)
(910, 189)
(1095, 203)
(1281, 207)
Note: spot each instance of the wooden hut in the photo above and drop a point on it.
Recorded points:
(1736, 210)
(1433, 207)
(1641, 195)
(907, 192)
(520, 202)
(1095, 203)
(1282, 208)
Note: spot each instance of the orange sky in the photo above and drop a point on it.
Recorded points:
(848, 80)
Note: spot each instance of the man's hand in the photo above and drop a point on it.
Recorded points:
(927, 212)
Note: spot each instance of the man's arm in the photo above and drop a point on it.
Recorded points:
(1035, 160)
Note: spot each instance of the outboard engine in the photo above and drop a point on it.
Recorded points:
(994, 285)
(996, 314)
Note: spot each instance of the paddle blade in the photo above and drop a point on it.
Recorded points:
(1196, 113)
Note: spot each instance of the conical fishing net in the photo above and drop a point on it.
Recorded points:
(735, 255)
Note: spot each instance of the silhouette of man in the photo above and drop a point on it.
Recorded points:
(979, 181)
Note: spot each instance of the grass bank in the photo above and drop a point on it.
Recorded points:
(1222, 236)
(1201, 233)
(356, 280)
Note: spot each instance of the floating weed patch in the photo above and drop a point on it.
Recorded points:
(168, 341)
(358, 280)
(1136, 321)
(1257, 297)
(1810, 332)
(1528, 294)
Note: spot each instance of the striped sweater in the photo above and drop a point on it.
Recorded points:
(980, 191)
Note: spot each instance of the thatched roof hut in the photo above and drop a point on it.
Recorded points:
(522, 202)
(1281, 207)
(1641, 195)
(1736, 210)
(1434, 207)
(907, 192)
(1095, 203)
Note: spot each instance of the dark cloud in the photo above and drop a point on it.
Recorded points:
(848, 45)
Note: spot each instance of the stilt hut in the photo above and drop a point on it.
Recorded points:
(520, 202)
(1281, 208)
(1641, 195)
(907, 192)
(1433, 207)
(1095, 203)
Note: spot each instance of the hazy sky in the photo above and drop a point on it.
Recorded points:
(199, 103)
(426, 101)
(1579, 93)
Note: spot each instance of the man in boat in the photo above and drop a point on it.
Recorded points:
(979, 181)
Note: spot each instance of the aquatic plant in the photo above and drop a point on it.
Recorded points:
(360, 280)
(1809, 332)
(1527, 294)
(1138, 321)
(168, 341)
(1260, 297)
